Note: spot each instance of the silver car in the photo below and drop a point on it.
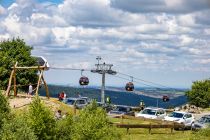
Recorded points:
(203, 122)
(77, 102)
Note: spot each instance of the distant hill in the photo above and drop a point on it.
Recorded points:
(121, 97)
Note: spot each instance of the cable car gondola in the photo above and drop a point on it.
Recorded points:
(165, 98)
(83, 81)
(129, 86)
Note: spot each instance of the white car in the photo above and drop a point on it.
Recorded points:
(152, 113)
(187, 119)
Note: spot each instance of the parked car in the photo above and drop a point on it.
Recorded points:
(78, 102)
(152, 113)
(106, 107)
(203, 122)
(121, 110)
(187, 119)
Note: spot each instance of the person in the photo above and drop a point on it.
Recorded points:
(58, 115)
(30, 90)
(61, 96)
(108, 100)
(64, 95)
(79, 95)
(142, 105)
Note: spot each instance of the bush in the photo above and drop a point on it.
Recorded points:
(4, 109)
(17, 129)
(64, 128)
(92, 124)
(41, 120)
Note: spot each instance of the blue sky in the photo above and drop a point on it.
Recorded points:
(162, 41)
(7, 3)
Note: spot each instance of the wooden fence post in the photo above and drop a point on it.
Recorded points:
(173, 127)
(150, 128)
(127, 130)
(74, 109)
(121, 119)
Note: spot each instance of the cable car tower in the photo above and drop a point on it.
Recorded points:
(103, 68)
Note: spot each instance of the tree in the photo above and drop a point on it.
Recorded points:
(41, 120)
(92, 124)
(199, 94)
(12, 51)
(4, 109)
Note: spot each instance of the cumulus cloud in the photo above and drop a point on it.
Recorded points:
(151, 33)
(169, 6)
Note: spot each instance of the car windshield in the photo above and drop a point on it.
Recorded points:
(204, 120)
(176, 115)
(81, 102)
(119, 108)
(148, 111)
(70, 101)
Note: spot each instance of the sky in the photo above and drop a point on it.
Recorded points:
(162, 41)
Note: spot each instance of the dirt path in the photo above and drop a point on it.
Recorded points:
(19, 102)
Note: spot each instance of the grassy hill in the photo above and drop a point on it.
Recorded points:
(134, 134)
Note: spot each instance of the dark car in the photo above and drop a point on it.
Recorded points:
(121, 110)
(203, 122)
(106, 107)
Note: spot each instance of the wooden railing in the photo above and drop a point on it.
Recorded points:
(153, 124)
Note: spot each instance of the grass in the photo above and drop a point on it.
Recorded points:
(157, 134)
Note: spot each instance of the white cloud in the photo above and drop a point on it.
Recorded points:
(202, 61)
(186, 40)
(159, 35)
(169, 6)
(80, 65)
(187, 20)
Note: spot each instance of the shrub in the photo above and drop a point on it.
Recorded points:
(41, 120)
(17, 129)
(64, 128)
(92, 124)
(4, 109)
